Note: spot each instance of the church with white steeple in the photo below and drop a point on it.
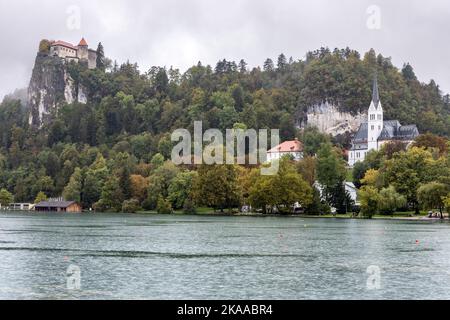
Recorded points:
(376, 132)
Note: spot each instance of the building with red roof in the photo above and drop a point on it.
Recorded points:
(70, 52)
(83, 43)
(293, 148)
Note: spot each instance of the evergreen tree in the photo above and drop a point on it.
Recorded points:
(331, 175)
(92, 189)
(242, 66)
(268, 65)
(101, 62)
(40, 197)
(282, 62)
(112, 197)
(73, 190)
(408, 73)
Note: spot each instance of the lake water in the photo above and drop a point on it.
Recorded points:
(191, 257)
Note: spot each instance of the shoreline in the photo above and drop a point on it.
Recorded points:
(420, 218)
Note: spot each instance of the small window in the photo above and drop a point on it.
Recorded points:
(373, 128)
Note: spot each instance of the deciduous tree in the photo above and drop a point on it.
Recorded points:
(431, 196)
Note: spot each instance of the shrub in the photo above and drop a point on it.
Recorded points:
(99, 206)
(369, 201)
(431, 196)
(390, 201)
(189, 207)
(164, 206)
(131, 206)
(44, 46)
(5, 197)
(317, 207)
(446, 201)
(40, 197)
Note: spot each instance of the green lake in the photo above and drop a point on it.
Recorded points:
(120, 256)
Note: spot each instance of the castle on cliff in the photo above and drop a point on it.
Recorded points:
(51, 84)
(69, 52)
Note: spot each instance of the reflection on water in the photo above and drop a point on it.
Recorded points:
(190, 257)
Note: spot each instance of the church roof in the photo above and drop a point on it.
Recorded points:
(392, 123)
(409, 132)
(362, 133)
(83, 43)
(375, 92)
(392, 130)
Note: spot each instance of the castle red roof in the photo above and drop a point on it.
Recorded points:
(83, 43)
(288, 146)
(64, 44)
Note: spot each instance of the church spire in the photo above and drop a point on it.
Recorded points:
(375, 93)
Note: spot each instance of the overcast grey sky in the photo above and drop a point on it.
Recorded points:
(179, 33)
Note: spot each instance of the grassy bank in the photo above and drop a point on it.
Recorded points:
(210, 212)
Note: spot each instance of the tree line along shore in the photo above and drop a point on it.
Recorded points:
(111, 153)
(394, 179)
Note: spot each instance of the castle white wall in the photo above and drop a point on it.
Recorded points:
(62, 51)
(82, 53)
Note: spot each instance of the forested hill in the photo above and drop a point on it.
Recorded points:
(135, 112)
(125, 101)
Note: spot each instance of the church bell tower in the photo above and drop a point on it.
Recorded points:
(375, 118)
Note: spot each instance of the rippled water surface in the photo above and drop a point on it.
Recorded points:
(190, 257)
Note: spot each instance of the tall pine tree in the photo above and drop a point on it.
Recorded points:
(101, 65)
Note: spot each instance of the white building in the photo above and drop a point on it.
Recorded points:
(292, 148)
(376, 132)
(19, 206)
(69, 52)
(350, 188)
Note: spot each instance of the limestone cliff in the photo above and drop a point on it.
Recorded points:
(329, 119)
(50, 87)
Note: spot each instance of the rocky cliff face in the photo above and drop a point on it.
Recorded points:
(328, 119)
(50, 87)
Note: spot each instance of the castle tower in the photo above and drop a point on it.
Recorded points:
(375, 118)
(83, 51)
